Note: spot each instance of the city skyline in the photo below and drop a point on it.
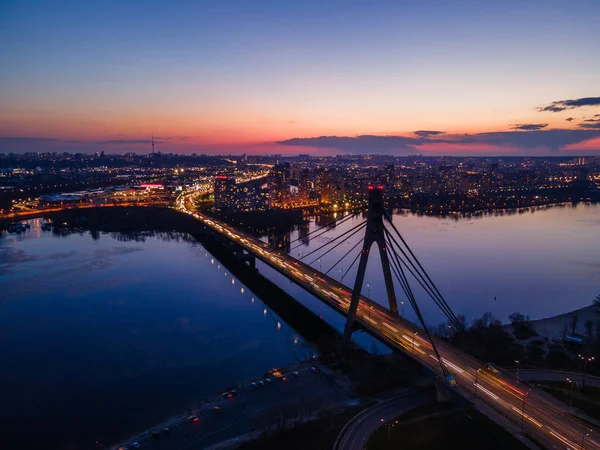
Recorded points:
(260, 77)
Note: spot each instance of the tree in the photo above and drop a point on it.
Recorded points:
(462, 319)
(589, 328)
(485, 321)
(596, 303)
(516, 318)
(574, 320)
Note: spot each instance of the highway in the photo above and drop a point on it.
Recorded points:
(535, 412)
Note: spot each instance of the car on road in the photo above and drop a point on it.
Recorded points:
(194, 419)
(491, 368)
(227, 395)
(262, 383)
(268, 380)
(254, 385)
(216, 409)
(296, 374)
(283, 378)
(233, 392)
(313, 369)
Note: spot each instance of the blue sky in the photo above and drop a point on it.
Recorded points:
(234, 74)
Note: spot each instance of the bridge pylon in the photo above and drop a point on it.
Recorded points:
(374, 233)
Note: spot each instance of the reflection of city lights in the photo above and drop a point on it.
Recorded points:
(242, 290)
(296, 340)
(265, 311)
(212, 261)
(233, 281)
(219, 266)
(279, 325)
(252, 299)
(225, 273)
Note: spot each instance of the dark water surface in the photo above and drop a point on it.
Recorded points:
(102, 338)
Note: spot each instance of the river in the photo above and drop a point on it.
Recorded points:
(103, 337)
(100, 338)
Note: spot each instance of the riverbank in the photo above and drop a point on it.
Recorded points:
(253, 405)
(263, 408)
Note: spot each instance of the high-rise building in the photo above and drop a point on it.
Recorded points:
(279, 186)
(390, 176)
(225, 191)
(304, 185)
(330, 183)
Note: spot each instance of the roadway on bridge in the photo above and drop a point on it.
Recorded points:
(540, 416)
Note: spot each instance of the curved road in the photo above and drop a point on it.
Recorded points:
(356, 433)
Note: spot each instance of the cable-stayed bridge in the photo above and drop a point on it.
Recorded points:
(536, 414)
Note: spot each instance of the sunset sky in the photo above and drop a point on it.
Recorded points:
(496, 77)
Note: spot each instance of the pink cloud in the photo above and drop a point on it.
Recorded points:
(587, 146)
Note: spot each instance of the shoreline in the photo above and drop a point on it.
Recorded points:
(209, 402)
(430, 212)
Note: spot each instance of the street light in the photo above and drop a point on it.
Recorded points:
(518, 369)
(368, 290)
(450, 335)
(585, 359)
(571, 394)
(583, 439)
(413, 342)
(319, 261)
(523, 411)
(402, 304)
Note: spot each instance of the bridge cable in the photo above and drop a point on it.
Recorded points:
(424, 284)
(398, 268)
(328, 225)
(417, 310)
(353, 262)
(344, 234)
(431, 284)
(324, 229)
(442, 305)
(339, 261)
(339, 243)
(396, 271)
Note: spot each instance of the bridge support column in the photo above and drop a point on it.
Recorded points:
(245, 257)
(374, 232)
